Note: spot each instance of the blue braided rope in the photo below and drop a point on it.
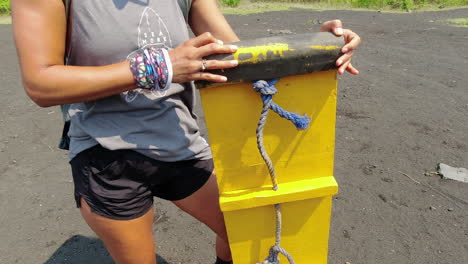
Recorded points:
(267, 90)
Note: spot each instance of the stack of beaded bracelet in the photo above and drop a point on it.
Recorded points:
(151, 68)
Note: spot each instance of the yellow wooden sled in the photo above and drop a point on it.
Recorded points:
(303, 159)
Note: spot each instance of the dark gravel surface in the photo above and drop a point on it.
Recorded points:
(405, 112)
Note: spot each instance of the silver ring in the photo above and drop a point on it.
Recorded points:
(203, 65)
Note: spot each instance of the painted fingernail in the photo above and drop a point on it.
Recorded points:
(339, 62)
(345, 50)
(234, 47)
(339, 31)
(223, 78)
(220, 42)
(234, 62)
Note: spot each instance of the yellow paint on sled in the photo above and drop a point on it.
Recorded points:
(258, 53)
(319, 47)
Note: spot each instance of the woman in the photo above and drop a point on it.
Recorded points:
(133, 132)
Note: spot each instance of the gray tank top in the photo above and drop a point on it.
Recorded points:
(160, 125)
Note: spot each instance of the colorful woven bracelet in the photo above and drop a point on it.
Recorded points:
(153, 71)
(151, 68)
(164, 66)
(168, 62)
(140, 72)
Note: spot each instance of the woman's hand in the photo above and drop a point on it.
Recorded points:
(188, 64)
(352, 40)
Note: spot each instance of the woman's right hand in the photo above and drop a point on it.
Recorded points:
(187, 59)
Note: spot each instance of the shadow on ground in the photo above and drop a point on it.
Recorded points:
(80, 249)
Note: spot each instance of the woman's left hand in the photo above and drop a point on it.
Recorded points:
(352, 40)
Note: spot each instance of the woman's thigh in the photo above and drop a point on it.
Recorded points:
(204, 206)
(128, 241)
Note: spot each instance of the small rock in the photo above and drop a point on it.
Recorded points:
(427, 174)
(450, 209)
(51, 243)
(282, 31)
(385, 179)
(382, 197)
(432, 208)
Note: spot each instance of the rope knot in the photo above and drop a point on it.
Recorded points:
(274, 252)
(265, 88)
(273, 257)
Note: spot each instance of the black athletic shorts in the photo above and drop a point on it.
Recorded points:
(120, 184)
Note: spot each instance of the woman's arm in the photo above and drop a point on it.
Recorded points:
(40, 32)
(205, 16)
(39, 29)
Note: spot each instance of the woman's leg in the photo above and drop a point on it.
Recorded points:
(204, 206)
(128, 241)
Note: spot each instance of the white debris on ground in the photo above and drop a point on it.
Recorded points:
(457, 174)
